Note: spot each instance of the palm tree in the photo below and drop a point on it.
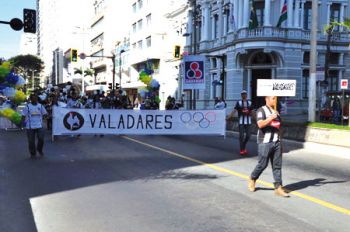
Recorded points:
(87, 72)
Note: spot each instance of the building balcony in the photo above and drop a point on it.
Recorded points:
(273, 33)
(285, 35)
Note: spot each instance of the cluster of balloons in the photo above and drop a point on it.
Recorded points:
(10, 84)
(152, 85)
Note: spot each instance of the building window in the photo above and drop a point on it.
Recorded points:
(306, 58)
(335, 14)
(134, 28)
(97, 24)
(216, 88)
(134, 7)
(228, 20)
(216, 26)
(139, 45)
(333, 80)
(148, 20)
(305, 83)
(148, 41)
(259, 9)
(307, 16)
(214, 63)
(139, 25)
(99, 53)
(134, 46)
(140, 3)
(334, 58)
(97, 41)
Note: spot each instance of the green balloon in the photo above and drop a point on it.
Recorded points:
(16, 118)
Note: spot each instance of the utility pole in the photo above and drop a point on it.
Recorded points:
(313, 61)
(194, 43)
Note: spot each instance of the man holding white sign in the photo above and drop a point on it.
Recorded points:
(269, 124)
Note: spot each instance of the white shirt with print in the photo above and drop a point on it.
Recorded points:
(34, 115)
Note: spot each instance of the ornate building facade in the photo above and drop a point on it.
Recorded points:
(243, 43)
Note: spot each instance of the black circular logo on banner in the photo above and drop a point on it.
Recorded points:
(73, 121)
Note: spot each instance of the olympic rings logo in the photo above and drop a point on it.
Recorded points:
(200, 119)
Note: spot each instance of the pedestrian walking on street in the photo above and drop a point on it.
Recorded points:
(269, 146)
(244, 108)
(32, 115)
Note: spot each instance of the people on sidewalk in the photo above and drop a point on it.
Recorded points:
(269, 145)
(220, 105)
(32, 115)
(244, 108)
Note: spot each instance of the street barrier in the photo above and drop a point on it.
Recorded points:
(138, 122)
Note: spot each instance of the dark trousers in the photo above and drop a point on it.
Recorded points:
(49, 123)
(269, 151)
(244, 135)
(39, 133)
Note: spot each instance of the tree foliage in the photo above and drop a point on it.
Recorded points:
(87, 72)
(26, 64)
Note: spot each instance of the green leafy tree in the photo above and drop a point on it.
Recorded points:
(27, 65)
(87, 72)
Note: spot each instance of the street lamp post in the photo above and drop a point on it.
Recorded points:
(120, 66)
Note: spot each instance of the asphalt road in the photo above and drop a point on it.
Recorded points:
(164, 183)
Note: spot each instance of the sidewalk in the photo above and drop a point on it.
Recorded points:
(324, 149)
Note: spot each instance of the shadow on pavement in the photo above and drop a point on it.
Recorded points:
(73, 163)
(310, 183)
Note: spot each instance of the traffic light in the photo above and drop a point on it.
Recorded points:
(110, 86)
(29, 21)
(177, 49)
(74, 55)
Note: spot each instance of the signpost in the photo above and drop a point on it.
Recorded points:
(344, 83)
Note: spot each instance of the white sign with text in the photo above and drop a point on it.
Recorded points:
(276, 87)
(143, 122)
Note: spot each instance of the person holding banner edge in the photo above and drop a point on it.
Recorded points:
(269, 145)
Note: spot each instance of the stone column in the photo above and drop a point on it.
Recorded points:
(221, 17)
(328, 12)
(213, 27)
(207, 18)
(240, 14)
(302, 14)
(341, 59)
(290, 13)
(246, 11)
(189, 28)
(225, 24)
(296, 13)
(205, 21)
(342, 6)
(235, 15)
(267, 13)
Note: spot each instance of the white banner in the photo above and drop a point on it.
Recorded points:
(194, 67)
(276, 87)
(142, 122)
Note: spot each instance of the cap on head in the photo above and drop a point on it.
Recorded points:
(244, 92)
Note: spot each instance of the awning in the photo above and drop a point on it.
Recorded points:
(133, 85)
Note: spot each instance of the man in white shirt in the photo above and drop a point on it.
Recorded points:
(32, 115)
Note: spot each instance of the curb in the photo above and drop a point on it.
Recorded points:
(319, 148)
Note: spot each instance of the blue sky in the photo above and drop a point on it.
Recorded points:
(10, 39)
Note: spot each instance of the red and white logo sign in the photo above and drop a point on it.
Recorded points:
(344, 84)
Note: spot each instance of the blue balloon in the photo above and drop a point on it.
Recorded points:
(148, 71)
(12, 78)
